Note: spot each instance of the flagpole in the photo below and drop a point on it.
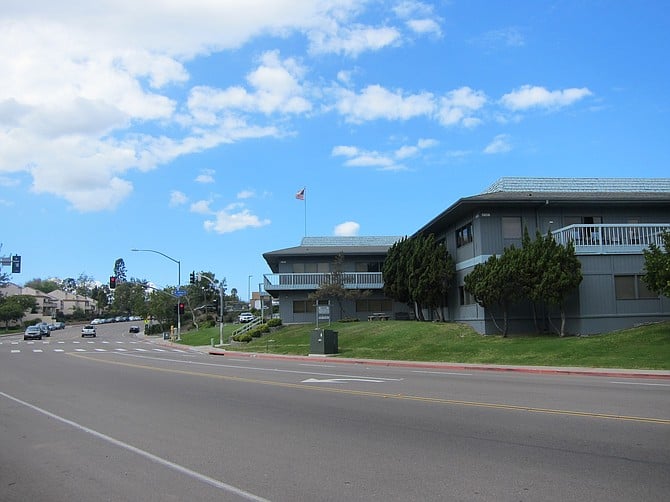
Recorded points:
(305, 192)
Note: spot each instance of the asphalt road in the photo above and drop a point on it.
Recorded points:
(121, 418)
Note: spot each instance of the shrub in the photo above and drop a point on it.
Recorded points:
(256, 333)
(274, 323)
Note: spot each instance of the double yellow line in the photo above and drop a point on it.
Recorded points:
(381, 395)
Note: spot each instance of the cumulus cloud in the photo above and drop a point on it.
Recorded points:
(459, 105)
(177, 198)
(205, 176)
(385, 161)
(201, 207)
(353, 41)
(347, 229)
(246, 194)
(226, 222)
(375, 102)
(529, 96)
(500, 144)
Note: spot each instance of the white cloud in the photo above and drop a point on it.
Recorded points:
(347, 229)
(423, 26)
(226, 222)
(375, 102)
(457, 107)
(201, 207)
(177, 198)
(529, 96)
(353, 41)
(246, 194)
(505, 37)
(206, 176)
(500, 144)
(389, 161)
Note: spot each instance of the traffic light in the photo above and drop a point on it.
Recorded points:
(181, 308)
(112, 282)
(174, 309)
(16, 264)
(192, 280)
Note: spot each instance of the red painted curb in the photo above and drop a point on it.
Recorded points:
(455, 366)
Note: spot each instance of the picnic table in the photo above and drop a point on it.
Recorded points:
(379, 316)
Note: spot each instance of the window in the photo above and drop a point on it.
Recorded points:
(369, 266)
(303, 306)
(381, 305)
(631, 287)
(465, 297)
(464, 235)
(511, 227)
(310, 268)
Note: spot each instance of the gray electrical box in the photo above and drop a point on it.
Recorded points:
(323, 341)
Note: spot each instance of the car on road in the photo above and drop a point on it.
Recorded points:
(32, 333)
(44, 328)
(59, 325)
(246, 317)
(88, 330)
(134, 329)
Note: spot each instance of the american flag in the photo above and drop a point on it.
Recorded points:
(300, 195)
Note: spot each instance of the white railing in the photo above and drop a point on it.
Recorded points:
(349, 280)
(612, 238)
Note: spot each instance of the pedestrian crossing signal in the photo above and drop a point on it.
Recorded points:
(16, 264)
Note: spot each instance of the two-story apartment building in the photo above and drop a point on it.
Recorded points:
(610, 222)
(48, 304)
(301, 270)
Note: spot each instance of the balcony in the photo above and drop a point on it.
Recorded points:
(302, 282)
(612, 239)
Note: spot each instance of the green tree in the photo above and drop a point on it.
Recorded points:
(561, 274)
(4, 279)
(120, 270)
(419, 271)
(334, 288)
(657, 267)
(13, 308)
(45, 286)
(496, 283)
(129, 297)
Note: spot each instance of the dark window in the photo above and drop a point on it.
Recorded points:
(465, 297)
(464, 235)
(381, 305)
(369, 266)
(511, 227)
(631, 287)
(303, 306)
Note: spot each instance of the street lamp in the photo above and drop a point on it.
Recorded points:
(178, 284)
(222, 297)
(249, 290)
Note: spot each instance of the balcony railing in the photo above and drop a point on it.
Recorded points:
(612, 239)
(349, 280)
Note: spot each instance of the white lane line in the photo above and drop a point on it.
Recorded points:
(38, 350)
(15, 351)
(80, 350)
(159, 350)
(100, 350)
(121, 350)
(59, 350)
(142, 350)
(643, 383)
(154, 458)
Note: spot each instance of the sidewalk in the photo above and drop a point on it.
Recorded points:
(546, 370)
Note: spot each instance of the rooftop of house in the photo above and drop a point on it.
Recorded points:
(571, 185)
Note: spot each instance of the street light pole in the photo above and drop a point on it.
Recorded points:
(222, 296)
(249, 290)
(178, 284)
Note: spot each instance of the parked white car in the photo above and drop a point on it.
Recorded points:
(246, 317)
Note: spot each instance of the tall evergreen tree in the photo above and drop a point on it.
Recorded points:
(657, 267)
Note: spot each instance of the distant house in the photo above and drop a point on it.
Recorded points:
(609, 221)
(46, 305)
(68, 303)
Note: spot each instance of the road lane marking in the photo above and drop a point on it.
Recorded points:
(341, 380)
(382, 395)
(16, 351)
(143, 453)
(442, 373)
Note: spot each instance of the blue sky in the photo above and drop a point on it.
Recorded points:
(188, 126)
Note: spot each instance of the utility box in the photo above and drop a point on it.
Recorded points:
(323, 342)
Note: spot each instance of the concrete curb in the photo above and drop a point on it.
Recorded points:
(542, 370)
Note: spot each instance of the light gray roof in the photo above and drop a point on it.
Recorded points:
(571, 185)
(362, 241)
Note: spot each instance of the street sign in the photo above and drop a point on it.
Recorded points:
(180, 292)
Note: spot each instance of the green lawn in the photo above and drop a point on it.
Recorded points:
(646, 347)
